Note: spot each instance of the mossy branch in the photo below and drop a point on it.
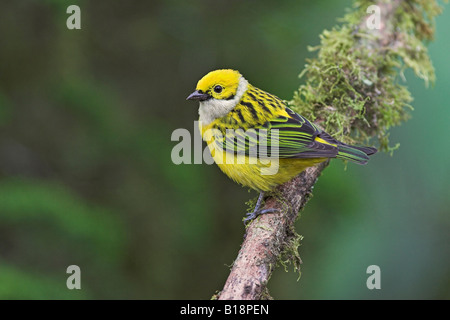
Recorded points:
(353, 89)
(354, 86)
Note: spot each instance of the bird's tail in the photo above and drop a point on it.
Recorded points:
(356, 154)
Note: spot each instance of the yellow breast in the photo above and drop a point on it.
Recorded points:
(258, 174)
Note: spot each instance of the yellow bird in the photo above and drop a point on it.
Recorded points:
(256, 140)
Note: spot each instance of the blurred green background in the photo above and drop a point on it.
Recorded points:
(86, 177)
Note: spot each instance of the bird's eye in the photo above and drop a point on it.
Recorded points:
(218, 89)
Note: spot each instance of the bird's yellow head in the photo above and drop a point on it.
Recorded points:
(218, 84)
(218, 92)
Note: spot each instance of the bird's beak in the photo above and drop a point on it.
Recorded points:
(198, 96)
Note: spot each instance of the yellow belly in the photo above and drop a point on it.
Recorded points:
(260, 174)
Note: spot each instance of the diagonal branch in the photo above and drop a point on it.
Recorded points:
(269, 236)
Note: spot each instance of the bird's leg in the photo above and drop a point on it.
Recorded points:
(257, 211)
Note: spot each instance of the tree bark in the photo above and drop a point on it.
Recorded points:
(266, 238)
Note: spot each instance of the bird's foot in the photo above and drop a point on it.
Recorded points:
(257, 212)
(252, 215)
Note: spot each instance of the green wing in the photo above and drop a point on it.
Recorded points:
(283, 137)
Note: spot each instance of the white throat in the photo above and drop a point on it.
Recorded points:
(214, 108)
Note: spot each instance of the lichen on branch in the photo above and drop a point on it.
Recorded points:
(355, 88)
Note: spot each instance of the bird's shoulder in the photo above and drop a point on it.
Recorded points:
(258, 109)
(255, 108)
(275, 112)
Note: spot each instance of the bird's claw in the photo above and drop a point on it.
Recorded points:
(252, 215)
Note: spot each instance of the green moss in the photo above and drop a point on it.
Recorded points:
(290, 254)
(216, 295)
(251, 204)
(354, 89)
(265, 295)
